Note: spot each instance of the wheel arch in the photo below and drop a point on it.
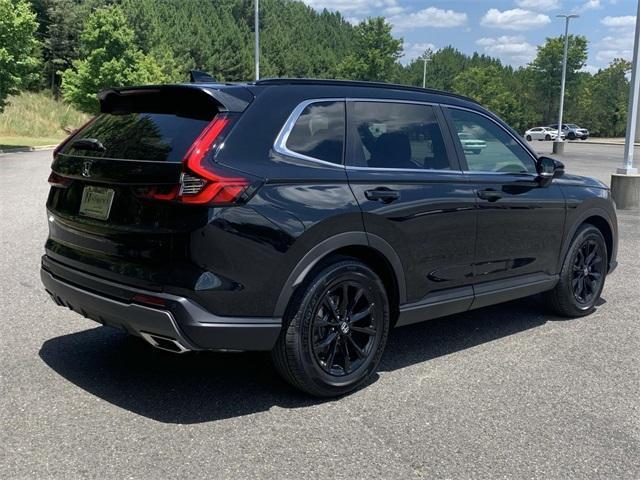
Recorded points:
(600, 219)
(370, 249)
(601, 224)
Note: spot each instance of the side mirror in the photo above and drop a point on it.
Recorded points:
(548, 169)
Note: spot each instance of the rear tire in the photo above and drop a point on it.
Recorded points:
(571, 136)
(547, 137)
(582, 276)
(334, 331)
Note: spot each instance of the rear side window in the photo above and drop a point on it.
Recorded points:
(319, 132)
(138, 136)
(396, 135)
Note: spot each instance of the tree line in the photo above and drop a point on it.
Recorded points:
(76, 47)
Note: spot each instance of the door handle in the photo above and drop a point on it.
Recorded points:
(490, 194)
(382, 194)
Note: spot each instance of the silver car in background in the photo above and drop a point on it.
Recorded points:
(541, 133)
(572, 131)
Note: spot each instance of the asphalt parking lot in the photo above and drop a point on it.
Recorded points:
(504, 392)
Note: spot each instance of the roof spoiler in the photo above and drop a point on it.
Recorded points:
(187, 96)
(198, 76)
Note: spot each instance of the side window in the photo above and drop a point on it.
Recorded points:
(488, 147)
(319, 132)
(396, 135)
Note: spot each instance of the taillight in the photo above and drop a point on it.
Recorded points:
(71, 135)
(202, 181)
(59, 181)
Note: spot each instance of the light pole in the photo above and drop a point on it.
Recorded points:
(632, 115)
(558, 146)
(625, 184)
(426, 56)
(256, 21)
(424, 72)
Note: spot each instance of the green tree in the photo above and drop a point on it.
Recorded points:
(443, 66)
(487, 86)
(547, 70)
(605, 111)
(18, 47)
(376, 52)
(108, 57)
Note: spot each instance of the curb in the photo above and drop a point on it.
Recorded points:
(596, 142)
(28, 149)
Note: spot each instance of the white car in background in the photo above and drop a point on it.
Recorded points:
(541, 133)
(470, 144)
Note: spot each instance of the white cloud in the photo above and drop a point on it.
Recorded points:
(514, 50)
(541, 5)
(592, 5)
(615, 46)
(590, 69)
(624, 21)
(429, 17)
(395, 10)
(516, 19)
(415, 50)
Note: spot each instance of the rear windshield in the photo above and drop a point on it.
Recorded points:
(138, 136)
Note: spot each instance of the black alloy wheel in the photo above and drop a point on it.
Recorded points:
(583, 274)
(588, 271)
(335, 329)
(344, 328)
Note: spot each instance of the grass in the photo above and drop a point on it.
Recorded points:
(7, 142)
(34, 119)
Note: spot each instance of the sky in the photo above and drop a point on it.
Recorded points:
(507, 29)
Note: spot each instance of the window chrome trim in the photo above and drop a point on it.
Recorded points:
(519, 141)
(391, 169)
(280, 145)
(391, 100)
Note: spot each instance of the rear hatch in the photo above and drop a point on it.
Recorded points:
(130, 186)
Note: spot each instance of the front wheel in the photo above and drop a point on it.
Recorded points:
(583, 274)
(571, 136)
(547, 137)
(334, 331)
(528, 138)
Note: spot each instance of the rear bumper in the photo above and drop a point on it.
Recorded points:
(182, 323)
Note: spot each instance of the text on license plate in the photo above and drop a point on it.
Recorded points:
(96, 202)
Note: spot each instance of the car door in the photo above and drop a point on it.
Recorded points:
(520, 222)
(404, 173)
(535, 133)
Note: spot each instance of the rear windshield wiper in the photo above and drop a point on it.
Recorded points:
(89, 144)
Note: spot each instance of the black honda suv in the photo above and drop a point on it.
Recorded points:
(308, 217)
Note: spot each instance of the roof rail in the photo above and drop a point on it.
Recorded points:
(357, 83)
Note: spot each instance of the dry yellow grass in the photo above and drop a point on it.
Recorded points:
(38, 115)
